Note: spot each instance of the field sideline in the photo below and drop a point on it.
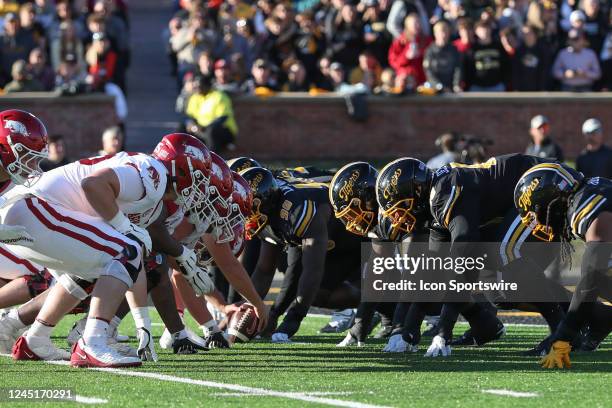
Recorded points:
(313, 372)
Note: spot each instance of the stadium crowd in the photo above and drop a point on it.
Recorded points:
(391, 47)
(67, 46)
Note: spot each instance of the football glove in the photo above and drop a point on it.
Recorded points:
(122, 224)
(15, 235)
(397, 344)
(185, 345)
(201, 282)
(558, 356)
(187, 261)
(280, 338)
(216, 340)
(438, 347)
(146, 348)
(350, 340)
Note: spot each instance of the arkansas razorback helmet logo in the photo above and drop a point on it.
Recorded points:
(154, 174)
(16, 127)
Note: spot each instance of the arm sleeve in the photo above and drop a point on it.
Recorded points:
(130, 183)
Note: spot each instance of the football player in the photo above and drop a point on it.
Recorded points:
(458, 199)
(554, 205)
(321, 256)
(90, 216)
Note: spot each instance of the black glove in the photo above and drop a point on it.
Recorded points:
(216, 340)
(186, 346)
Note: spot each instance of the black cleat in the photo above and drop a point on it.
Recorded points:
(541, 349)
(466, 339)
(384, 332)
(484, 338)
(590, 341)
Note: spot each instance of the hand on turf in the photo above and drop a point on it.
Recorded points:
(186, 346)
(280, 338)
(397, 344)
(146, 347)
(558, 356)
(216, 340)
(350, 340)
(438, 347)
(15, 235)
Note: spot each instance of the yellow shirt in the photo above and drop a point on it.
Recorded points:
(206, 108)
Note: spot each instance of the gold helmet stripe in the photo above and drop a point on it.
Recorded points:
(557, 168)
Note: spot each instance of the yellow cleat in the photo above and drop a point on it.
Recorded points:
(558, 356)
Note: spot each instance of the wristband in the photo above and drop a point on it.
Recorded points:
(120, 222)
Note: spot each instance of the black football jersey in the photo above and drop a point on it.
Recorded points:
(487, 187)
(594, 197)
(304, 174)
(299, 203)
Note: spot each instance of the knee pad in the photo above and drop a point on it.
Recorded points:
(77, 287)
(38, 283)
(127, 266)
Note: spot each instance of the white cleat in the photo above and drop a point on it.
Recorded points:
(165, 341)
(76, 332)
(282, 338)
(10, 330)
(38, 348)
(349, 341)
(100, 356)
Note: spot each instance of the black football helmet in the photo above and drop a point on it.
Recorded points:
(266, 193)
(402, 192)
(541, 197)
(242, 163)
(352, 194)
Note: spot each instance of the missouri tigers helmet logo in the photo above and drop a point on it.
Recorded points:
(346, 191)
(524, 200)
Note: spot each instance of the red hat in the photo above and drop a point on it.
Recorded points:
(220, 64)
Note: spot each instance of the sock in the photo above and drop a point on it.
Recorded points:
(210, 327)
(141, 317)
(96, 332)
(115, 322)
(40, 328)
(15, 320)
(180, 334)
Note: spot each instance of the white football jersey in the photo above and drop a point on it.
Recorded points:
(142, 181)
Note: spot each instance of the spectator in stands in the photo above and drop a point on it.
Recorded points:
(541, 144)
(206, 64)
(39, 70)
(367, 72)
(377, 39)
(246, 29)
(28, 23)
(102, 61)
(195, 36)
(112, 141)
(64, 13)
(465, 31)
(346, 40)
(606, 62)
(323, 80)
(596, 23)
(309, 44)
(57, 154)
(407, 51)
(448, 144)
(400, 9)
(116, 30)
(529, 64)
(486, 66)
(442, 61)
(15, 44)
(297, 79)
(211, 116)
(223, 77)
(596, 159)
(387, 83)
(230, 44)
(262, 80)
(66, 46)
(576, 66)
(22, 80)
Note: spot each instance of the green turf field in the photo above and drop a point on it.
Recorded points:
(312, 371)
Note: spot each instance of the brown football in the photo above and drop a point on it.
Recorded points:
(243, 324)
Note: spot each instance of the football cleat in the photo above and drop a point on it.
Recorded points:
(100, 356)
(216, 340)
(76, 332)
(438, 347)
(384, 332)
(397, 344)
(165, 341)
(280, 338)
(9, 333)
(341, 320)
(38, 348)
(541, 349)
(466, 339)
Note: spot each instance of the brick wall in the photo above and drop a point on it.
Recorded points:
(290, 127)
(80, 119)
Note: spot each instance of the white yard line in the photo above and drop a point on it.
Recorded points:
(306, 397)
(310, 394)
(510, 393)
(90, 400)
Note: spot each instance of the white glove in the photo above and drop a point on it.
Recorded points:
(187, 262)
(15, 235)
(122, 224)
(201, 282)
(146, 345)
(350, 340)
(438, 347)
(280, 338)
(397, 344)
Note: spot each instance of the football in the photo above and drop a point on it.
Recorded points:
(243, 324)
